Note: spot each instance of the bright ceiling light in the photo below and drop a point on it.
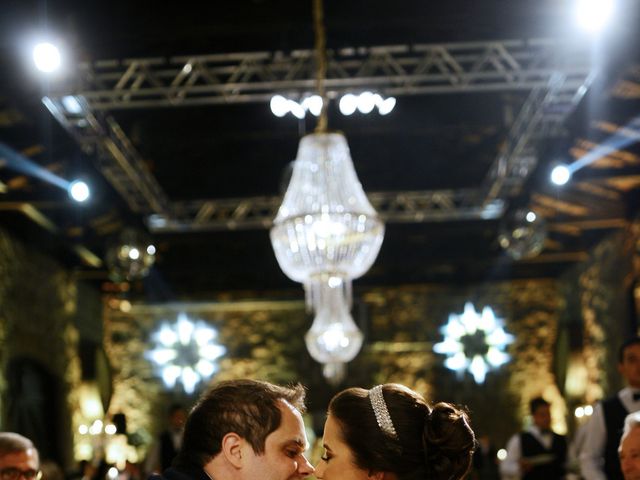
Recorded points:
(296, 109)
(593, 15)
(46, 57)
(71, 104)
(386, 106)
(279, 106)
(366, 102)
(313, 104)
(79, 191)
(531, 217)
(560, 174)
(348, 104)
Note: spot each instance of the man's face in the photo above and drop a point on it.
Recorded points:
(177, 419)
(25, 461)
(630, 455)
(542, 417)
(630, 366)
(283, 457)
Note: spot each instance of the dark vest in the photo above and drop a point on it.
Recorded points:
(547, 471)
(167, 450)
(614, 414)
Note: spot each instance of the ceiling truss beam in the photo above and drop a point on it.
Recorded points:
(556, 75)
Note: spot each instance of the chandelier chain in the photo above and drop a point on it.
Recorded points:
(321, 62)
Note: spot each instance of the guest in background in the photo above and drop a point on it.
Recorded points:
(599, 454)
(630, 447)
(485, 460)
(19, 458)
(168, 443)
(537, 453)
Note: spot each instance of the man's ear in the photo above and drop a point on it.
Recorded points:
(232, 449)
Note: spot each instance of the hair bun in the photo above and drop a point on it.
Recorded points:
(448, 442)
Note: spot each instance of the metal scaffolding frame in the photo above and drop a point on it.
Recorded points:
(556, 75)
(259, 212)
(392, 70)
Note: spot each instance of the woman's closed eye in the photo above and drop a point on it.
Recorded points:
(326, 457)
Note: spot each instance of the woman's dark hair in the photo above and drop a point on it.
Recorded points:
(433, 443)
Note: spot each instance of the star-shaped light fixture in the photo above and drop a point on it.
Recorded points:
(474, 342)
(185, 351)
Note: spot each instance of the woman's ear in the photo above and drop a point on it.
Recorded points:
(232, 449)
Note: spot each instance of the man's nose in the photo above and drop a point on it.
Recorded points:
(305, 468)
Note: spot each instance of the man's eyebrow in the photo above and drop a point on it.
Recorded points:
(296, 441)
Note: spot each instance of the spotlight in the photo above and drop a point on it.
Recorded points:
(79, 191)
(560, 174)
(71, 105)
(46, 57)
(593, 15)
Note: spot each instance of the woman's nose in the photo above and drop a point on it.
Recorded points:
(320, 469)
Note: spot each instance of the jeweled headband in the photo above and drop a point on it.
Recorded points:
(382, 413)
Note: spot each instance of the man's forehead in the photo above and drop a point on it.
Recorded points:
(632, 439)
(632, 349)
(284, 404)
(291, 429)
(21, 456)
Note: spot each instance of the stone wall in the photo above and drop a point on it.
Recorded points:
(37, 308)
(599, 292)
(265, 340)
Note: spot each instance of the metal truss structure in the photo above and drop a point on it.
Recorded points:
(556, 76)
(259, 212)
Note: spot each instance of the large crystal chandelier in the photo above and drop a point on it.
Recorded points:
(326, 233)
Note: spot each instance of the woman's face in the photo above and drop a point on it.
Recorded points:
(337, 463)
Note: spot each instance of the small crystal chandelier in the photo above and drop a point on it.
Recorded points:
(326, 233)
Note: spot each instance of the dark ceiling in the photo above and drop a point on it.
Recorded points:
(240, 150)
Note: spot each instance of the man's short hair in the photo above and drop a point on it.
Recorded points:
(625, 345)
(536, 403)
(246, 407)
(14, 443)
(631, 421)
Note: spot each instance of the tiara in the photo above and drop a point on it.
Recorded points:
(382, 413)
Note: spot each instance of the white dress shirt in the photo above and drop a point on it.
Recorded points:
(592, 453)
(510, 466)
